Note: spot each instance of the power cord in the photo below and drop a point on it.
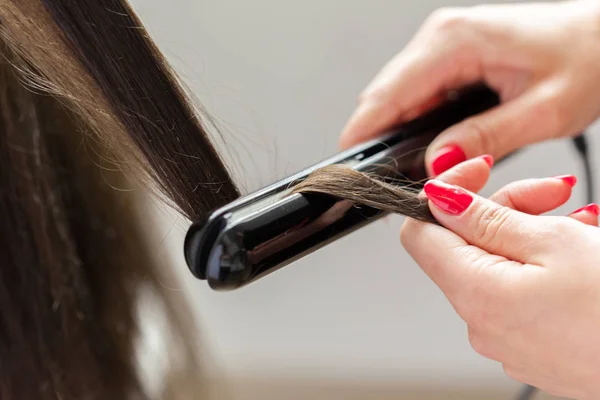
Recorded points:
(581, 145)
(526, 393)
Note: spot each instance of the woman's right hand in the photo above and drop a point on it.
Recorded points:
(542, 58)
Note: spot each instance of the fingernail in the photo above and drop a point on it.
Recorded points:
(447, 158)
(591, 208)
(570, 180)
(488, 159)
(450, 199)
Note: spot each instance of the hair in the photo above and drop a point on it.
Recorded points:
(90, 113)
(344, 182)
(88, 104)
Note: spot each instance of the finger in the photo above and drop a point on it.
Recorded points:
(455, 266)
(490, 226)
(472, 174)
(588, 214)
(529, 118)
(411, 83)
(536, 196)
(464, 273)
(451, 250)
(382, 107)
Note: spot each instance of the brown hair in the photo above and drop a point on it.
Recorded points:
(87, 105)
(85, 95)
(371, 190)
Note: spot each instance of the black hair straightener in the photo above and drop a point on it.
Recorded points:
(269, 229)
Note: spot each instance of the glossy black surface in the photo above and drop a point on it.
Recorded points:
(264, 231)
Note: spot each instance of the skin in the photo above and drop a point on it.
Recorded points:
(546, 70)
(526, 284)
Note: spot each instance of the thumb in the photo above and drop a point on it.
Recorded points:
(529, 118)
(497, 229)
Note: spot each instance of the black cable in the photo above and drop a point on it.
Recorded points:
(581, 145)
(526, 393)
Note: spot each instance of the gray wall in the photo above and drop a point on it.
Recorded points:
(280, 78)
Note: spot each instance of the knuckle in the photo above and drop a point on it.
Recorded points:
(373, 93)
(447, 19)
(484, 135)
(552, 230)
(476, 316)
(561, 116)
(409, 235)
(390, 104)
(557, 228)
(555, 109)
(472, 308)
(479, 344)
(513, 373)
(382, 97)
(489, 224)
(405, 234)
(363, 96)
(368, 95)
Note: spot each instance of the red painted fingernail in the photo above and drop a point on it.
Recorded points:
(570, 180)
(591, 208)
(488, 159)
(447, 158)
(450, 199)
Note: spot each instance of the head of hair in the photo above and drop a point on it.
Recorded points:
(89, 105)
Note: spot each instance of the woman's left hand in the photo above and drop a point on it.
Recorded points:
(527, 285)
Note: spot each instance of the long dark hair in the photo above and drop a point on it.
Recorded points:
(87, 105)
(90, 113)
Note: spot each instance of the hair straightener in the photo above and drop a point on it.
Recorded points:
(262, 232)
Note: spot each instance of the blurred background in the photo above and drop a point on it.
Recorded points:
(358, 319)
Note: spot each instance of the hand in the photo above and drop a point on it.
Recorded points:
(543, 59)
(527, 286)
